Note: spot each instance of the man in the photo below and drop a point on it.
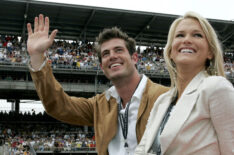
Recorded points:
(118, 123)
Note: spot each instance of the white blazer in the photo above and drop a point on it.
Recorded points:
(201, 122)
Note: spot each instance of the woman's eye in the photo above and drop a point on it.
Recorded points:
(198, 35)
(179, 35)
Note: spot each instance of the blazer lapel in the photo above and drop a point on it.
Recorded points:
(149, 96)
(110, 124)
(181, 112)
(156, 116)
(142, 107)
(144, 100)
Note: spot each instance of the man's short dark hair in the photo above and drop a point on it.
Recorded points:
(111, 33)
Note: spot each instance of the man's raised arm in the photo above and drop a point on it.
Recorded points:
(39, 40)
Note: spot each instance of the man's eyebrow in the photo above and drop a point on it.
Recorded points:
(106, 50)
(118, 47)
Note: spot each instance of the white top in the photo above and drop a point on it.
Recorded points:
(202, 122)
(116, 145)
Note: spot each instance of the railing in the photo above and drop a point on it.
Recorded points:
(6, 149)
(62, 67)
(90, 70)
(68, 150)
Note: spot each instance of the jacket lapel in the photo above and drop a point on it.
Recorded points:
(142, 107)
(144, 100)
(110, 124)
(181, 112)
(156, 116)
(149, 96)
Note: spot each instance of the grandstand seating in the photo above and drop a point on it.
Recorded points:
(82, 56)
(19, 131)
(42, 132)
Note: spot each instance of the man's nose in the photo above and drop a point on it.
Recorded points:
(113, 55)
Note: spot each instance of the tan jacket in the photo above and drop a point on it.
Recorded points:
(95, 111)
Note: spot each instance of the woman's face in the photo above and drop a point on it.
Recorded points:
(190, 47)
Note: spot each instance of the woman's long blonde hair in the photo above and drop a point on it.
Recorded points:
(216, 63)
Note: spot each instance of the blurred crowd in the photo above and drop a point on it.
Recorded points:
(19, 131)
(75, 55)
(82, 55)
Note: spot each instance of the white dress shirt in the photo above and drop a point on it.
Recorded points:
(116, 145)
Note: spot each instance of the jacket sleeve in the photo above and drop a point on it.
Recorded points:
(221, 103)
(57, 103)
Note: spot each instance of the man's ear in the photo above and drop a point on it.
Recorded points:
(135, 57)
(101, 66)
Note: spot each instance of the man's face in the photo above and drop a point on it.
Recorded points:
(116, 60)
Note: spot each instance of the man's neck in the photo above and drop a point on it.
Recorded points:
(127, 88)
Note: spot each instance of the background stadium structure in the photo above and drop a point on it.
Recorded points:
(76, 22)
(82, 24)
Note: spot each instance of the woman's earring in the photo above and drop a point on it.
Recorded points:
(210, 67)
(174, 70)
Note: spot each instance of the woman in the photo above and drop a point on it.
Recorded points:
(197, 115)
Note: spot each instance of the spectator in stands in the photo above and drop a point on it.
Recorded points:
(9, 47)
(88, 59)
(1, 44)
(196, 116)
(1, 56)
(131, 91)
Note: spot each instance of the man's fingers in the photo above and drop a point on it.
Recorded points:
(47, 24)
(41, 22)
(52, 36)
(35, 24)
(29, 29)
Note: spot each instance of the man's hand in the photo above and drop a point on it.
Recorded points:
(39, 40)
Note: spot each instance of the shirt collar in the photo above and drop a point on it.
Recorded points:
(138, 93)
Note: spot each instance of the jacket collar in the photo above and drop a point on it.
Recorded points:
(181, 111)
(156, 115)
(179, 114)
(145, 98)
(112, 92)
(195, 82)
(111, 119)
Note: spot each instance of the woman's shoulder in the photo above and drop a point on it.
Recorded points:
(217, 83)
(217, 80)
